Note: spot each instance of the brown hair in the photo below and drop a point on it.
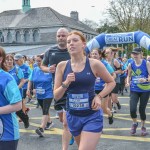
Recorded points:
(10, 55)
(98, 50)
(80, 34)
(40, 56)
(3, 55)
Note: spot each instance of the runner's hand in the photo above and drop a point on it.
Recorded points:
(70, 78)
(96, 103)
(52, 68)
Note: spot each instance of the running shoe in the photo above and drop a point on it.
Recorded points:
(26, 122)
(118, 105)
(40, 132)
(71, 141)
(114, 110)
(111, 119)
(134, 127)
(49, 125)
(143, 131)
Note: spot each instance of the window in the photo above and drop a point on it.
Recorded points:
(9, 37)
(26, 36)
(18, 37)
(26, 2)
(1, 37)
(35, 36)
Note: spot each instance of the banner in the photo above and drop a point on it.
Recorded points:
(138, 37)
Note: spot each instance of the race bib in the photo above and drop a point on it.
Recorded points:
(40, 91)
(97, 80)
(135, 79)
(79, 101)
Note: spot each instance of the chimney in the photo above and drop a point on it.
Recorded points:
(74, 15)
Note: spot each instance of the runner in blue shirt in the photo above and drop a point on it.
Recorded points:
(26, 71)
(100, 84)
(17, 73)
(10, 103)
(42, 82)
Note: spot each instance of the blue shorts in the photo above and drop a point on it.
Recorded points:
(90, 123)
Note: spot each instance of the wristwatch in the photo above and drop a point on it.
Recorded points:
(64, 86)
(147, 80)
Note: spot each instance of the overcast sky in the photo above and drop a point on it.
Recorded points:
(88, 9)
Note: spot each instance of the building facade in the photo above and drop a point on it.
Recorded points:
(37, 26)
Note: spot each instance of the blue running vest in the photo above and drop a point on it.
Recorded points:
(139, 72)
(80, 92)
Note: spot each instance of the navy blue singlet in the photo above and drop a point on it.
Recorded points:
(80, 92)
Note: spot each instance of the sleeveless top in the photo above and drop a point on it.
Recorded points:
(117, 79)
(139, 72)
(80, 93)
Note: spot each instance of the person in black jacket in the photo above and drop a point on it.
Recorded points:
(52, 57)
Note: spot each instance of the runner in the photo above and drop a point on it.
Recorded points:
(110, 53)
(17, 73)
(19, 61)
(77, 78)
(100, 84)
(44, 93)
(139, 81)
(52, 57)
(10, 102)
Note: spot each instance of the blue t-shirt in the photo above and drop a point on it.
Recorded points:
(42, 82)
(26, 71)
(9, 95)
(17, 73)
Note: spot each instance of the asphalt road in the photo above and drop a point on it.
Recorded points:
(114, 137)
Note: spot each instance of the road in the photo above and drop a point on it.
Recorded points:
(114, 137)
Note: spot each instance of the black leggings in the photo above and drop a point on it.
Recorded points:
(134, 98)
(45, 105)
(6, 145)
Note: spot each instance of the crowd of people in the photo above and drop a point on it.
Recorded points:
(82, 86)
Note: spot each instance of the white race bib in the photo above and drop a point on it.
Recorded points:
(79, 101)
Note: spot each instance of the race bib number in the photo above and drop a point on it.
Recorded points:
(40, 91)
(79, 101)
(136, 79)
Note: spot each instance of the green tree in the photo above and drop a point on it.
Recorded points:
(90, 23)
(130, 15)
(108, 29)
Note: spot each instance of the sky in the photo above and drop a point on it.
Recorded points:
(87, 9)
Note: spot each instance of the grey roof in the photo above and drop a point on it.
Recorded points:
(39, 17)
(27, 50)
